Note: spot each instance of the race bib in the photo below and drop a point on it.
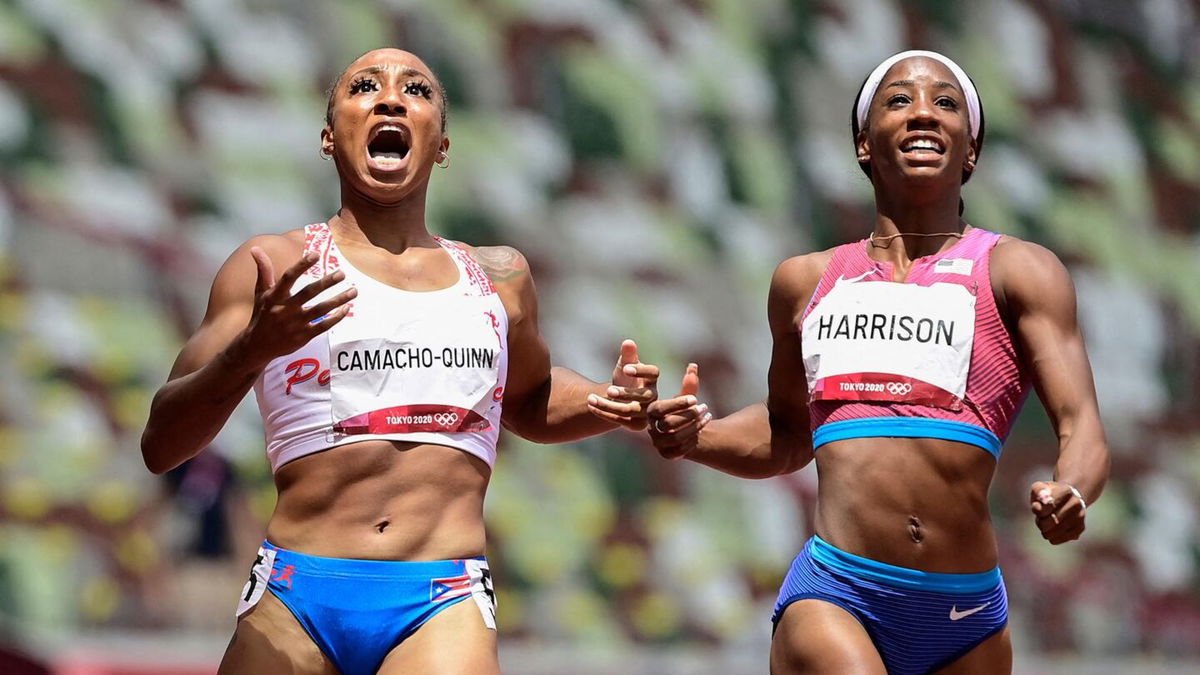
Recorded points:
(482, 591)
(887, 341)
(256, 585)
(432, 371)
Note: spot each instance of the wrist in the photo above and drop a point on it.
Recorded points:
(1078, 495)
(240, 358)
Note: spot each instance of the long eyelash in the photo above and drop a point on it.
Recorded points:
(363, 84)
(425, 89)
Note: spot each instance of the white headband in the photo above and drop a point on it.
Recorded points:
(873, 82)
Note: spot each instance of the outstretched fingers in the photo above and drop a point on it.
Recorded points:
(317, 287)
(630, 371)
(266, 271)
(319, 310)
(328, 320)
(691, 380)
(671, 415)
(283, 288)
(675, 423)
(613, 411)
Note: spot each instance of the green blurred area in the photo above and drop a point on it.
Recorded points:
(654, 160)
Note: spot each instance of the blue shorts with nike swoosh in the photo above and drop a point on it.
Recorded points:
(919, 621)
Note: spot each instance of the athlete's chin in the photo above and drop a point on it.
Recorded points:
(386, 190)
(928, 174)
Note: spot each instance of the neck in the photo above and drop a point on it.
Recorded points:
(907, 228)
(394, 227)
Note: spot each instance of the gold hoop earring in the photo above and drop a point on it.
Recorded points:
(445, 161)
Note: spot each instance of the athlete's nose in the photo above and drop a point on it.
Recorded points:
(390, 103)
(921, 114)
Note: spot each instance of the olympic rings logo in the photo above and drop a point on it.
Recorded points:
(898, 388)
(446, 419)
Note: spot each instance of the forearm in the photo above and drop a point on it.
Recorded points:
(558, 412)
(189, 411)
(1083, 459)
(748, 445)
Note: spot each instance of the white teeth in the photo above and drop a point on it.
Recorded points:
(922, 144)
(387, 127)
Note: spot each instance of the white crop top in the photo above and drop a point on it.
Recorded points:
(419, 367)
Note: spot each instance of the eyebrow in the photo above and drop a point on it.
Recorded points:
(405, 70)
(940, 84)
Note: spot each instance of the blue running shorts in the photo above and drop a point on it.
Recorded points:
(357, 611)
(919, 621)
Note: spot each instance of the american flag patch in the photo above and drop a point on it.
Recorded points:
(450, 587)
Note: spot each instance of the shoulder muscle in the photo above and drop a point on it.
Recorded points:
(1028, 277)
(792, 286)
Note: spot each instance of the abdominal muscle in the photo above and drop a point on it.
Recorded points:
(912, 502)
(382, 500)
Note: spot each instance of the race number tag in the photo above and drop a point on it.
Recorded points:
(482, 590)
(256, 585)
(435, 371)
(887, 341)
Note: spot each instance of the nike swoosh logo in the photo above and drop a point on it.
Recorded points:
(955, 615)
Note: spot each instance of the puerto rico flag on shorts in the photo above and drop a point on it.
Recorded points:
(446, 588)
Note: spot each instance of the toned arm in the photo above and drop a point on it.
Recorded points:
(767, 438)
(544, 403)
(251, 318)
(1040, 301)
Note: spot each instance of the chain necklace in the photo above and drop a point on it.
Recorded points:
(889, 237)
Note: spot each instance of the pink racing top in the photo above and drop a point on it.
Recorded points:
(929, 357)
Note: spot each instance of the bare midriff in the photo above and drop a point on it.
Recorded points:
(382, 500)
(918, 503)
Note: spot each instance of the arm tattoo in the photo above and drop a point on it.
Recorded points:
(501, 263)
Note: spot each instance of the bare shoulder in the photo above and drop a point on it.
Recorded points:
(1025, 275)
(238, 274)
(797, 277)
(1020, 262)
(503, 264)
(285, 248)
(1011, 251)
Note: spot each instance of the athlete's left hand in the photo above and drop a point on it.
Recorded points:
(634, 387)
(1058, 513)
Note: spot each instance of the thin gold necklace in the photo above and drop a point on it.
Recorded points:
(889, 237)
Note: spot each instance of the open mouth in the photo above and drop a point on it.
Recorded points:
(923, 146)
(388, 146)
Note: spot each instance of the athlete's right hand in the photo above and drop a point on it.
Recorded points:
(675, 423)
(280, 323)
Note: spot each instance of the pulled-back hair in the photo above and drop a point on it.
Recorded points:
(866, 166)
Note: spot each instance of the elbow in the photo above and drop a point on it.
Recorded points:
(530, 420)
(151, 457)
(154, 454)
(1105, 472)
(518, 426)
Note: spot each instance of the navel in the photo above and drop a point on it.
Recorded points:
(382, 525)
(914, 529)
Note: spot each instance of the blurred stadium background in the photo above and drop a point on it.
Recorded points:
(654, 159)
